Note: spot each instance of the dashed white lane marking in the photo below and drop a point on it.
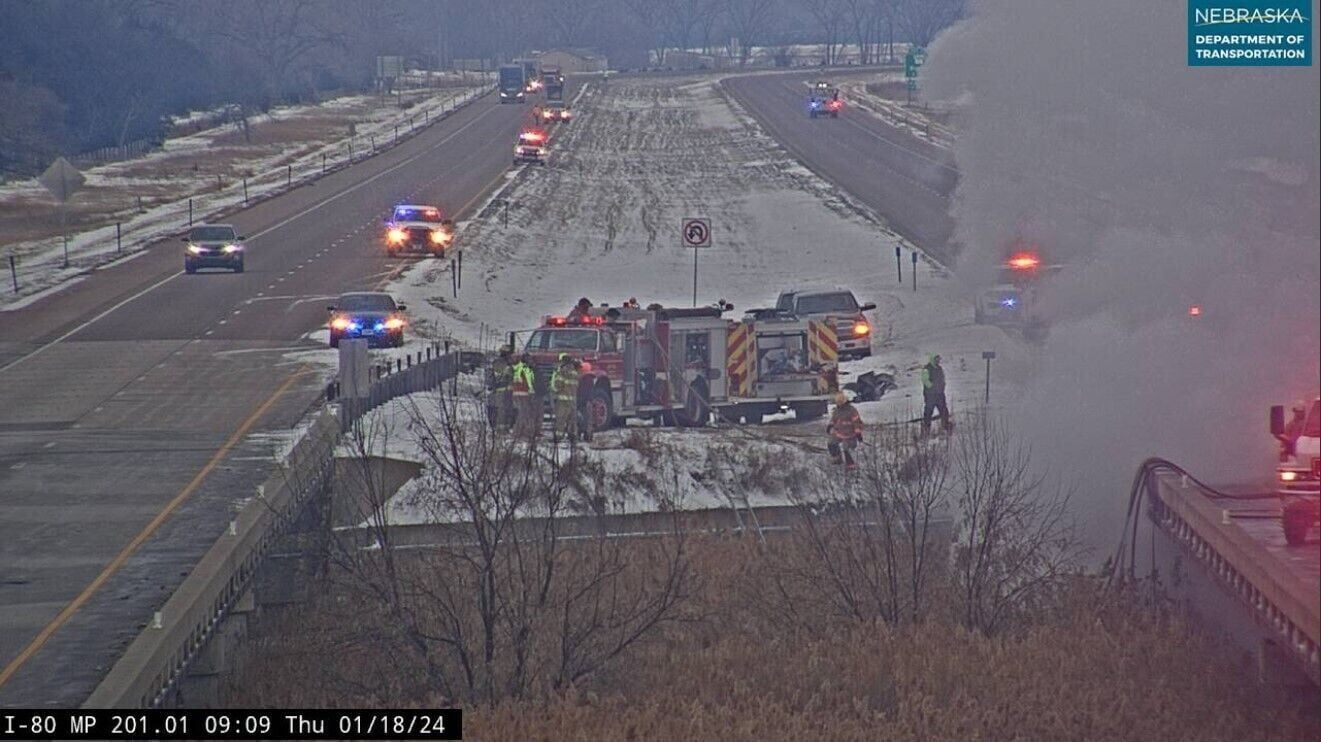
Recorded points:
(236, 311)
(208, 332)
(19, 465)
(223, 321)
(278, 225)
(99, 408)
(49, 444)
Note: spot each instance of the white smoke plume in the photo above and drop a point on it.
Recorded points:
(1159, 186)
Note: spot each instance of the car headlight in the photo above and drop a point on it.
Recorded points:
(231, 249)
(439, 237)
(196, 249)
(394, 323)
(340, 323)
(861, 328)
(396, 235)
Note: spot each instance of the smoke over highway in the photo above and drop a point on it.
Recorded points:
(1159, 186)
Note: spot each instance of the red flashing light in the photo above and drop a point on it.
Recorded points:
(1195, 311)
(557, 321)
(1024, 261)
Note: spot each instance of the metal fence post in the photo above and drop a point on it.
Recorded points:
(119, 245)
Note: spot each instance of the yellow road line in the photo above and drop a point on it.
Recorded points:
(110, 569)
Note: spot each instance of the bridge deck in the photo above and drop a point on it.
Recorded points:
(1242, 544)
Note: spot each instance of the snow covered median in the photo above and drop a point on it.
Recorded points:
(603, 220)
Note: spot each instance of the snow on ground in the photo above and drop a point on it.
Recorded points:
(602, 221)
(636, 468)
(914, 120)
(40, 261)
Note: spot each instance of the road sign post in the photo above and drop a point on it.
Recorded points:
(62, 179)
(989, 355)
(899, 265)
(696, 234)
(915, 270)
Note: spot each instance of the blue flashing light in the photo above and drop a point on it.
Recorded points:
(1008, 301)
(380, 326)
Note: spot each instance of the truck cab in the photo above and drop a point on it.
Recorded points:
(1298, 472)
(841, 308)
(511, 83)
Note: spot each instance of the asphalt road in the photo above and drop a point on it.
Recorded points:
(906, 180)
(126, 400)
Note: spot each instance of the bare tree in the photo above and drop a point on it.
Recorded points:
(749, 21)
(571, 18)
(1014, 541)
(503, 605)
(830, 16)
(869, 538)
(921, 20)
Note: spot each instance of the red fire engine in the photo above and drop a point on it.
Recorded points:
(680, 365)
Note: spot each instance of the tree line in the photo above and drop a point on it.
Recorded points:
(77, 75)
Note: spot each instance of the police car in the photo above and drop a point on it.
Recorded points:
(418, 229)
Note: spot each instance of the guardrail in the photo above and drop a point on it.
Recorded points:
(27, 270)
(160, 655)
(415, 372)
(1279, 599)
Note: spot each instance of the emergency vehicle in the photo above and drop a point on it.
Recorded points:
(677, 365)
(418, 228)
(1015, 299)
(1298, 473)
(531, 147)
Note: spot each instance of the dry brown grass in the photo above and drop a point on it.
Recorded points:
(1086, 665)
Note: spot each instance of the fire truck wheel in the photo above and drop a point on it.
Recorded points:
(1295, 520)
(696, 406)
(597, 410)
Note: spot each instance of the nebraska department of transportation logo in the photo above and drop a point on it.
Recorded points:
(1238, 33)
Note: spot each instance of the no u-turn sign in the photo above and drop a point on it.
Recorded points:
(696, 232)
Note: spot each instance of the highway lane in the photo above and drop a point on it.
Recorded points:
(906, 180)
(131, 393)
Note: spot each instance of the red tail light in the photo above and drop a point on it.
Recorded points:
(1024, 261)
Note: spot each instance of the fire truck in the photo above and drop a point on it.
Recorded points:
(1298, 474)
(677, 365)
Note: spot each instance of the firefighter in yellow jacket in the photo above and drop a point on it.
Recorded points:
(524, 385)
(564, 387)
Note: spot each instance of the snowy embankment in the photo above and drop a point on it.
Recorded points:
(602, 221)
(915, 121)
(209, 169)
